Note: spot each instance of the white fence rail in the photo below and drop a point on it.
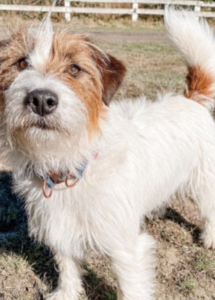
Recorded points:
(134, 10)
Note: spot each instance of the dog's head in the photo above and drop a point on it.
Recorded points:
(54, 88)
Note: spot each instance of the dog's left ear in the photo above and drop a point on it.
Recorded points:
(112, 73)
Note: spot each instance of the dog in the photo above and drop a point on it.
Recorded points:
(91, 170)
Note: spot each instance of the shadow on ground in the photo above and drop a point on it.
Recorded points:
(180, 220)
(14, 238)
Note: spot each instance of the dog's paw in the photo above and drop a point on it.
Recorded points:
(157, 214)
(57, 296)
(208, 238)
(60, 295)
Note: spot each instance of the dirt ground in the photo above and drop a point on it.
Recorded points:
(118, 35)
(130, 37)
(185, 270)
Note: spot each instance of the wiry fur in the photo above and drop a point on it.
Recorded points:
(198, 53)
(147, 152)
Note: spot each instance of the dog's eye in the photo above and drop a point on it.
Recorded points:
(74, 70)
(22, 63)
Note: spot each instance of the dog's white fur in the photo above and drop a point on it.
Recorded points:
(147, 152)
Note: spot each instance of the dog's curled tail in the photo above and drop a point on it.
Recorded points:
(195, 40)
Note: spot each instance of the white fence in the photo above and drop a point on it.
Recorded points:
(134, 9)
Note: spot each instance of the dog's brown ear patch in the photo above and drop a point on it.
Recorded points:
(112, 73)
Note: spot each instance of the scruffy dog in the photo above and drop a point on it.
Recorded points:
(105, 166)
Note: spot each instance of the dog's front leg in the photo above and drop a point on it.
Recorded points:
(134, 267)
(69, 285)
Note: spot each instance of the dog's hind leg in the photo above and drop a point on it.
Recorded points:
(134, 267)
(203, 183)
(69, 285)
(206, 204)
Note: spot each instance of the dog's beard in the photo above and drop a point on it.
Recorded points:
(44, 125)
(41, 124)
(44, 137)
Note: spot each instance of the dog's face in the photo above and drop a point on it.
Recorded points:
(54, 88)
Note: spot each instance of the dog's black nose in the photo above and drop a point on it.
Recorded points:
(42, 102)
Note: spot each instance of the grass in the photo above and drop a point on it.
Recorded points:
(187, 285)
(185, 270)
(204, 263)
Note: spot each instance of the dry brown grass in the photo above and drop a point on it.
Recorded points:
(185, 270)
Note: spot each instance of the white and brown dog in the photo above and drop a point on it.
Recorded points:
(105, 166)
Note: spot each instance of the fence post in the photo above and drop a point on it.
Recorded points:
(135, 8)
(197, 8)
(67, 15)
